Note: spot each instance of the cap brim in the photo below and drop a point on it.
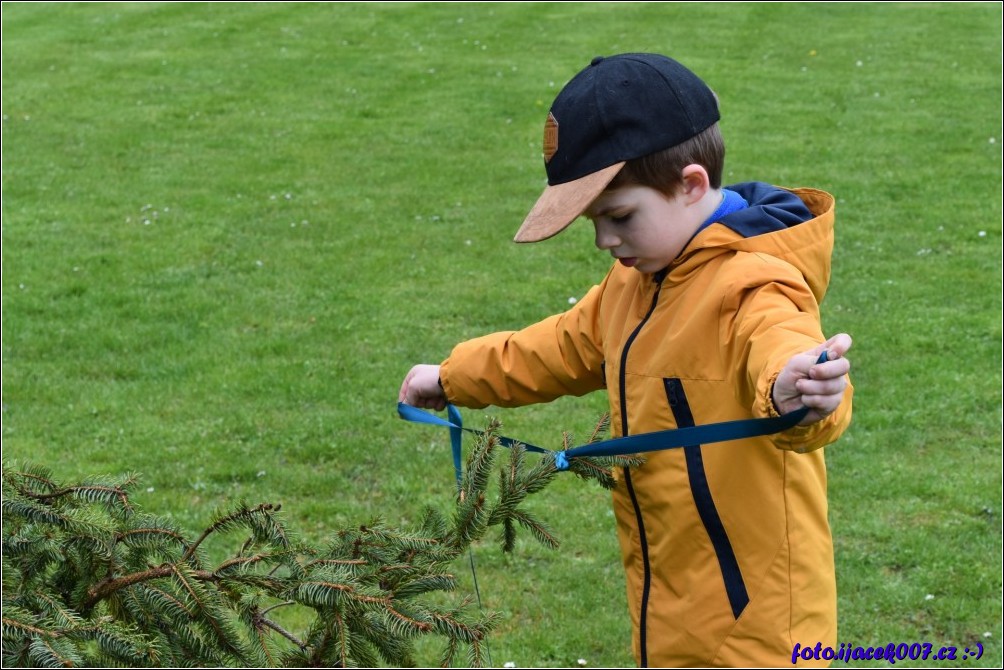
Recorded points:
(561, 204)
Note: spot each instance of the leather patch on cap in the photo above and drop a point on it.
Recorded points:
(550, 137)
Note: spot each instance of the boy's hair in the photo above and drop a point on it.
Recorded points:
(663, 170)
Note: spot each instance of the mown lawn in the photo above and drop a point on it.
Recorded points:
(229, 230)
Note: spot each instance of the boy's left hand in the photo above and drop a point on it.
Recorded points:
(818, 386)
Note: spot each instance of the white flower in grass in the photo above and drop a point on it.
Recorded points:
(983, 233)
(573, 300)
(581, 661)
(509, 664)
(929, 596)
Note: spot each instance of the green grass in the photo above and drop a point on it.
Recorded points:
(229, 230)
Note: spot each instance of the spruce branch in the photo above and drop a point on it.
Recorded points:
(51, 651)
(258, 519)
(90, 580)
(152, 533)
(601, 429)
(150, 602)
(109, 585)
(264, 622)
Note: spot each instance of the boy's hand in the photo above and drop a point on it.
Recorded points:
(818, 386)
(421, 388)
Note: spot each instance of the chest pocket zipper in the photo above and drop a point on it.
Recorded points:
(735, 587)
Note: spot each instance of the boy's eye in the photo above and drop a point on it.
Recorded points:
(620, 219)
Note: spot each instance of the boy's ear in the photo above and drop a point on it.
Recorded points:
(696, 183)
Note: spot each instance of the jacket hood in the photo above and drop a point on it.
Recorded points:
(795, 225)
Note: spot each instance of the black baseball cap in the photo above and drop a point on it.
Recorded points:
(619, 108)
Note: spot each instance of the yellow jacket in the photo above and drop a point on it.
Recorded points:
(726, 547)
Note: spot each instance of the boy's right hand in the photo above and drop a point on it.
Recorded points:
(421, 388)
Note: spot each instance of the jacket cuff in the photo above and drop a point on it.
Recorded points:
(768, 401)
(443, 381)
(799, 439)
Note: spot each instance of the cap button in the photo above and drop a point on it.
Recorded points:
(596, 61)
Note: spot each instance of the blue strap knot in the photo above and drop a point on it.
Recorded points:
(560, 461)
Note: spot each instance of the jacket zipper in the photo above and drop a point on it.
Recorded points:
(643, 540)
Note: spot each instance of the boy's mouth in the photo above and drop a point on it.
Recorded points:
(628, 262)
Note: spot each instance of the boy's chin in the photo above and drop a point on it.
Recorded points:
(648, 266)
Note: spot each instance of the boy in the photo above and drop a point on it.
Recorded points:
(710, 313)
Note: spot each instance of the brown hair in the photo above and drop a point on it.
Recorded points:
(663, 170)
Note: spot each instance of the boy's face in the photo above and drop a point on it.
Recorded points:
(641, 227)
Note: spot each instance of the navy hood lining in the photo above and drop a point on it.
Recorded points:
(770, 209)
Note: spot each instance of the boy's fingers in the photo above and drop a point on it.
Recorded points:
(831, 369)
(829, 386)
(835, 365)
(837, 346)
(402, 395)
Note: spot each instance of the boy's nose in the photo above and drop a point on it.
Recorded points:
(605, 238)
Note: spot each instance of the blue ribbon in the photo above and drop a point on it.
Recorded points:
(456, 425)
(620, 446)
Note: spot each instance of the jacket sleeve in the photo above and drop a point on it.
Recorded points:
(561, 355)
(770, 323)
